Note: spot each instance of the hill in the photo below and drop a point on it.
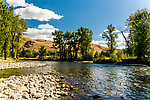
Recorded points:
(35, 44)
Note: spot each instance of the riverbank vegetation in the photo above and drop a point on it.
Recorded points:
(137, 43)
(12, 27)
(76, 46)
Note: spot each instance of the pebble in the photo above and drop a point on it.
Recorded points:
(21, 65)
(39, 86)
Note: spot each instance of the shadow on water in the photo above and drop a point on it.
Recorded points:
(96, 81)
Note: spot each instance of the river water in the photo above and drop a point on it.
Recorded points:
(97, 80)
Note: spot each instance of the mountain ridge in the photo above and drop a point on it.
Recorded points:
(35, 44)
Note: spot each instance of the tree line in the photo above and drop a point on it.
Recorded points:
(77, 45)
(72, 45)
(12, 27)
(138, 40)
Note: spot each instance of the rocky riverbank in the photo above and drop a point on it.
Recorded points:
(21, 65)
(42, 86)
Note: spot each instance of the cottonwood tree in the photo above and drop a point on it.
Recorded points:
(12, 28)
(110, 37)
(58, 41)
(139, 37)
(4, 29)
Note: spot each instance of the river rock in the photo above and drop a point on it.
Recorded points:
(3, 96)
(32, 91)
(12, 86)
(37, 95)
(24, 89)
(25, 95)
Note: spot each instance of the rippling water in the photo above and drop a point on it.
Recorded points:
(104, 81)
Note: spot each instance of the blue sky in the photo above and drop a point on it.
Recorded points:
(45, 16)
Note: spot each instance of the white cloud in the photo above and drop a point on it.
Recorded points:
(16, 3)
(98, 42)
(121, 41)
(116, 31)
(102, 43)
(36, 13)
(45, 26)
(41, 33)
(106, 30)
(100, 34)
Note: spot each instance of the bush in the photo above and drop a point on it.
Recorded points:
(35, 54)
(42, 52)
(96, 55)
(114, 58)
(105, 54)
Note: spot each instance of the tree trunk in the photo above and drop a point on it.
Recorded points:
(5, 50)
(12, 46)
(17, 56)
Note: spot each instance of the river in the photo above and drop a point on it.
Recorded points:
(97, 80)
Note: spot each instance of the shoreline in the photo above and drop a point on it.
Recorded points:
(35, 86)
(43, 85)
(21, 65)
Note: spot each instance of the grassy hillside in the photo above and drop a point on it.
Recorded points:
(35, 44)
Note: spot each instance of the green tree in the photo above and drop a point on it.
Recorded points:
(110, 37)
(42, 52)
(58, 41)
(85, 39)
(22, 27)
(139, 37)
(96, 55)
(18, 27)
(11, 29)
(4, 29)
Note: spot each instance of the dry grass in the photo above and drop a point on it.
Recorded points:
(37, 43)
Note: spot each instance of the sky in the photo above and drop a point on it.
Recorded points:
(45, 16)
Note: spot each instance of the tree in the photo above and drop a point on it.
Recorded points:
(110, 37)
(42, 52)
(68, 40)
(139, 37)
(22, 27)
(18, 26)
(96, 55)
(69, 43)
(4, 29)
(85, 39)
(58, 41)
(11, 29)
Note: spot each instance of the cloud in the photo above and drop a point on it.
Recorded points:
(41, 32)
(102, 43)
(121, 41)
(36, 13)
(116, 30)
(100, 34)
(45, 26)
(16, 3)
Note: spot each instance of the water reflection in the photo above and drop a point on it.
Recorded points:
(106, 81)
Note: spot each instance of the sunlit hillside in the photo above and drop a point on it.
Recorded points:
(35, 44)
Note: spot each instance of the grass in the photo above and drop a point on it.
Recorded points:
(37, 43)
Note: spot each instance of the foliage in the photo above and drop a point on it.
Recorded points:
(105, 54)
(11, 29)
(70, 44)
(50, 53)
(26, 53)
(42, 52)
(35, 54)
(139, 37)
(96, 55)
(85, 40)
(110, 37)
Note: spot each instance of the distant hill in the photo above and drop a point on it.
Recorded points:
(35, 44)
